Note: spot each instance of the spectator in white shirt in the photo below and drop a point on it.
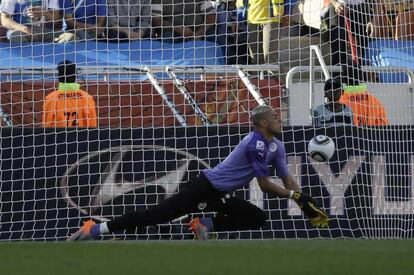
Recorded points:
(30, 20)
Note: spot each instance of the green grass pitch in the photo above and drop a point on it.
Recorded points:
(336, 257)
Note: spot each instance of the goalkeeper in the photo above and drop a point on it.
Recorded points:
(211, 188)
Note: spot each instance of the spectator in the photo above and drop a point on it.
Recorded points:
(84, 19)
(333, 112)
(350, 28)
(30, 21)
(183, 19)
(69, 106)
(230, 34)
(128, 19)
(263, 18)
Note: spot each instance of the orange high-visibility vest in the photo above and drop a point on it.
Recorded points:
(69, 107)
(366, 108)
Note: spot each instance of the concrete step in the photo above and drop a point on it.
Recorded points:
(295, 51)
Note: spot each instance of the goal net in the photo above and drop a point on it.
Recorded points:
(173, 83)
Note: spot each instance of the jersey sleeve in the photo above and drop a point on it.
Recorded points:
(8, 6)
(278, 8)
(53, 5)
(256, 155)
(279, 162)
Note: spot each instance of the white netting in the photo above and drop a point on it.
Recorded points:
(173, 83)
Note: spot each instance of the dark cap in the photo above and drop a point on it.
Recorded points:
(332, 84)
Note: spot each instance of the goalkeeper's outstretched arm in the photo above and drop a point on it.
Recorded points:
(288, 182)
(269, 187)
(317, 217)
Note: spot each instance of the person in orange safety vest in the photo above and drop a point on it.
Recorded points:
(69, 106)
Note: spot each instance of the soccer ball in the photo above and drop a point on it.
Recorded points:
(321, 148)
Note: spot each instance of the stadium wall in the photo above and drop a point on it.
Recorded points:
(48, 188)
(137, 103)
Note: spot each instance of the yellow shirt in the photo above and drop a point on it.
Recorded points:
(263, 11)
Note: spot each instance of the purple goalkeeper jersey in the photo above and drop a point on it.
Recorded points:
(251, 158)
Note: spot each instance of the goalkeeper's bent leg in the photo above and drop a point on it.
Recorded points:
(181, 203)
(238, 214)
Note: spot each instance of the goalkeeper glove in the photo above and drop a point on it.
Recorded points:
(317, 217)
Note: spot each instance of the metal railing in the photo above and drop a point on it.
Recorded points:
(105, 71)
(326, 70)
(150, 72)
(392, 69)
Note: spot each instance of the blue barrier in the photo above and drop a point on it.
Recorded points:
(93, 53)
(392, 53)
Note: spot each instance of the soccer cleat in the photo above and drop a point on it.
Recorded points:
(83, 233)
(200, 230)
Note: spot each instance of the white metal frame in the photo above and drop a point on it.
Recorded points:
(327, 69)
(160, 89)
(187, 96)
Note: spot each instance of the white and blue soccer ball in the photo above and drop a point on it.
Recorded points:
(321, 148)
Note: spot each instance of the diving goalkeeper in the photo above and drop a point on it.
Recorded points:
(249, 159)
